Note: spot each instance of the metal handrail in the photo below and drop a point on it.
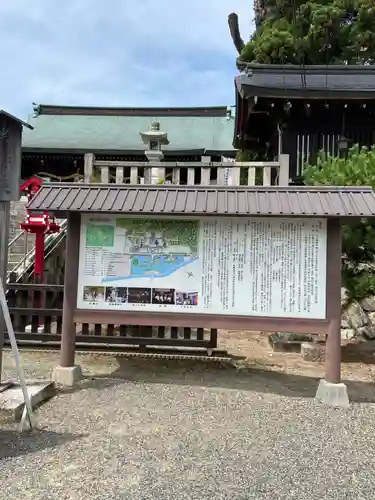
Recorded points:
(25, 252)
(29, 256)
(15, 239)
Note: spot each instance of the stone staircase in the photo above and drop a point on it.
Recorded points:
(25, 242)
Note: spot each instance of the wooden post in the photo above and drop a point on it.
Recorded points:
(283, 170)
(104, 175)
(119, 175)
(333, 344)
(68, 335)
(266, 176)
(88, 167)
(205, 171)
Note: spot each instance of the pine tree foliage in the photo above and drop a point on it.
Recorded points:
(314, 32)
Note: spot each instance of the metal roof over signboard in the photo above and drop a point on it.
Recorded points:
(291, 201)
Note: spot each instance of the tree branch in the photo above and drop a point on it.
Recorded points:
(235, 32)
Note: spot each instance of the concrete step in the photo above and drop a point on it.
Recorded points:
(17, 215)
(12, 401)
(22, 240)
(20, 247)
(12, 265)
(16, 257)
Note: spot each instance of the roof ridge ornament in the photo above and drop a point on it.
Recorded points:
(234, 30)
(36, 110)
(154, 126)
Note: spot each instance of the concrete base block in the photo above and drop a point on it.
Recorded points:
(333, 394)
(11, 396)
(67, 375)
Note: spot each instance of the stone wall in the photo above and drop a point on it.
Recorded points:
(358, 318)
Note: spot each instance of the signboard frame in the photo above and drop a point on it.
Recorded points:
(166, 282)
(252, 323)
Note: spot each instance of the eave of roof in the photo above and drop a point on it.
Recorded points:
(51, 109)
(131, 152)
(312, 68)
(173, 200)
(312, 82)
(15, 119)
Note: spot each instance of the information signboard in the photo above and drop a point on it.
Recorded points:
(270, 267)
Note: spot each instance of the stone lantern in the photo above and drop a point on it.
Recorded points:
(154, 139)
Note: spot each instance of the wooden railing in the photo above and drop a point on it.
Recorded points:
(36, 309)
(191, 173)
(36, 312)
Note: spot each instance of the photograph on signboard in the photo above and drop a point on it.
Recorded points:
(116, 295)
(163, 296)
(274, 267)
(186, 298)
(139, 295)
(94, 294)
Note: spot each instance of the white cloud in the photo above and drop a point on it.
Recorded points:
(118, 52)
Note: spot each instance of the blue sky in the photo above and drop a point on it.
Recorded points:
(118, 52)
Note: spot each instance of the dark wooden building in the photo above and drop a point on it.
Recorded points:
(11, 129)
(302, 110)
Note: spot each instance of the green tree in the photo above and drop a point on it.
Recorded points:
(312, 32)
(358, 169)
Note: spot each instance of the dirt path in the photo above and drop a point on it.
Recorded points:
(358, 361)
(252, 349)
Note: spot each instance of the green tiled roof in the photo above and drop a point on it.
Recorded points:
(102, 130)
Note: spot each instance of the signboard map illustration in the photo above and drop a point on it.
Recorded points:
(243, 266)
(157, 248)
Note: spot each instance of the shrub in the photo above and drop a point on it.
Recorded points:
(357, 169)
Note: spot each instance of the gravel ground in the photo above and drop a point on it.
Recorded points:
(161, 430)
